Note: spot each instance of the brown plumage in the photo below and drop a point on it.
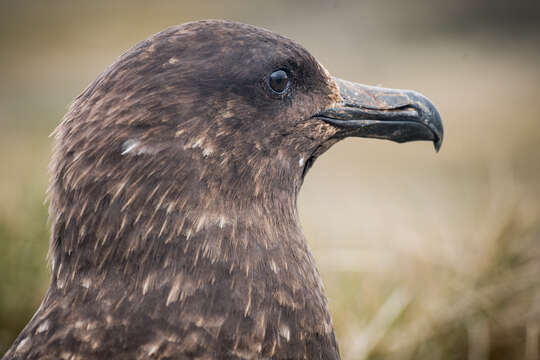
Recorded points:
(173, 192)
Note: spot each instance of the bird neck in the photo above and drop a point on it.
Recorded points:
(222, 267)
(168, 231)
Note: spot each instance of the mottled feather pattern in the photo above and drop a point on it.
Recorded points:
(188, 244)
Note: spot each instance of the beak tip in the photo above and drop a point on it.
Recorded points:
(437, 145)
(435, 124)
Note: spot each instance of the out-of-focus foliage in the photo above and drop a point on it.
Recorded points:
(424, 255)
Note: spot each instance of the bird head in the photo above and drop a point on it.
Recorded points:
(205, 119)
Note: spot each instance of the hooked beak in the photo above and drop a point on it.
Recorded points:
(374, 112)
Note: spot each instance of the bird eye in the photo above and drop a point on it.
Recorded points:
(279, 81)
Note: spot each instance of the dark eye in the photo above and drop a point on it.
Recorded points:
(279, 81)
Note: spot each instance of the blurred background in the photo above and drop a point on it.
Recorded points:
(424, 255)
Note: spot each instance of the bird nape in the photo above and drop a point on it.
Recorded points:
(173, 190)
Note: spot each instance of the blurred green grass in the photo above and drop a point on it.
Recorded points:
(424, 256)
(23, 232)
